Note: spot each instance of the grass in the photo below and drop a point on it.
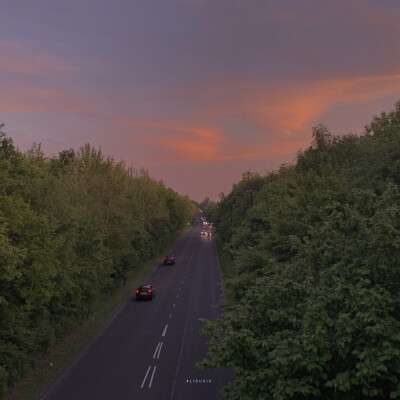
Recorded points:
(50, 367)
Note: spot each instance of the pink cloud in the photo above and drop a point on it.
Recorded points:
(281, 116)
(292, 108)
(40, 99)
(207, 133)
(191, 142)
(19, 58)
(303, 104)
(359, 13)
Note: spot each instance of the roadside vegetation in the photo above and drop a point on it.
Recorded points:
(313, 306)
(73, 229)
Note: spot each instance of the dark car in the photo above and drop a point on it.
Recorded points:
(169, 260)
(145, 292)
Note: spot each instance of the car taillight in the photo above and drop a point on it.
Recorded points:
(172, 258)
(137, 291)
(150, 291)
(165, 258)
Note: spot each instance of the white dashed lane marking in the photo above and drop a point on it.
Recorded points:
(152, 376)
(158, 350)
(165, 330)
(145, 377)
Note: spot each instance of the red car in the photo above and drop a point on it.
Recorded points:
(145, 292)
(169, 260)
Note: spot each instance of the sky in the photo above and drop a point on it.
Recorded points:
(195, 91)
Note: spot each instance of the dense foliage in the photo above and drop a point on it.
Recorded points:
(314, 308)
(71, 229)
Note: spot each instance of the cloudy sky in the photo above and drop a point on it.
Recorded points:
(195, 91)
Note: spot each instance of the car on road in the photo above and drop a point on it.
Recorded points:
(145, 292)
(203, 232)
(169, 260)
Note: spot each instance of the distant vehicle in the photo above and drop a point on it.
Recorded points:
(145, 292)
(208, 233)
(203, 232)
(169, 260)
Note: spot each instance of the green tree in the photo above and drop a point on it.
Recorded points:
(313, 311)
(72, 228)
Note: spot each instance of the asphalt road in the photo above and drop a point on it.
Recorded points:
(150, 348)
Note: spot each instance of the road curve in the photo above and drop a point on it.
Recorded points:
(150, 349)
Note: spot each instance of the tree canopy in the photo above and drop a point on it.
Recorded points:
(314, 308)
(71, 228)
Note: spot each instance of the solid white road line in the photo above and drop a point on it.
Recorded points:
(145, 377)
(165, 330)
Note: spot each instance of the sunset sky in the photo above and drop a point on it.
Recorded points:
(195, 91)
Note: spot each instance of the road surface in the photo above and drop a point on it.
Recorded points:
(150, 348)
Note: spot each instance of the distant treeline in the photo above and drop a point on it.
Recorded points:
(72, 228)
(313, 311)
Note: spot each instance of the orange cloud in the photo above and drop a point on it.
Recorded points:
(305, 104)
(193, 144)
(190, 142)
(192, 150)
(292, 108)
(288, 116)
(211, 134)
(279, 118)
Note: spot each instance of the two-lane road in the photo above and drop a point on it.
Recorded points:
(150, 349)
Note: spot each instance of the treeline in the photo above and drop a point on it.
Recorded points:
(314, 308)
(72, 228)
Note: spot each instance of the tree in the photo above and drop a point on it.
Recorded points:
(72, 228)
(313, 311)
